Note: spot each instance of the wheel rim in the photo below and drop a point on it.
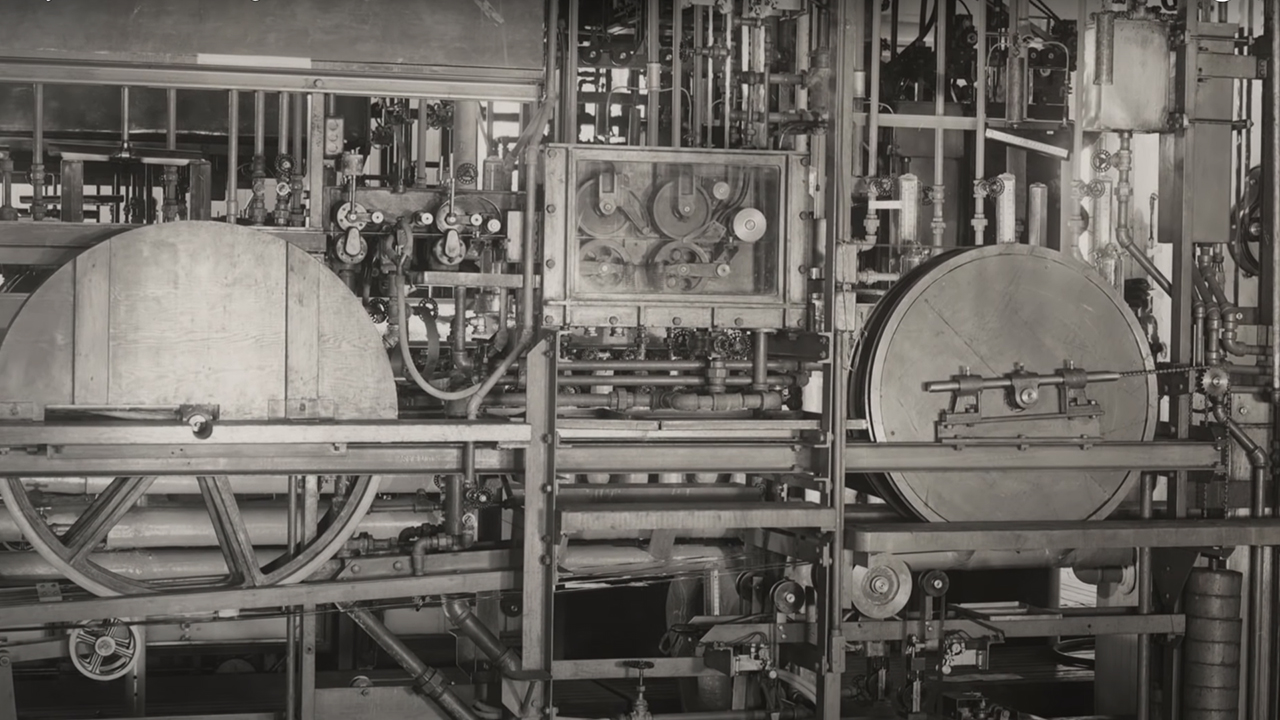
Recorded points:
(71, 553)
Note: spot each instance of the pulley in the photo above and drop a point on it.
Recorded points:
(104, 650)
(984, 312)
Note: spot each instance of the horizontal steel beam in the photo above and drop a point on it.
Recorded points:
(922, 122)
(56, 243)
(450, 84)
(212, 601)
(686, 515)
(934, 537)
(194, 459)
(1150, 456)
(20, 434)
(617, 670)
(1095, 623)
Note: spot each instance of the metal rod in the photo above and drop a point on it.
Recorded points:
(873, 101)
(282, 139)
(661, 380)
(37, 156)
(699, 62)
(653, 73)
(233, 153)
(291, 636)
(171, 119)
(677, 74)
(420, 159)
(728, 73)
(939, 110)
(980, 138)
(1144, 572)
(1271, 225)
(259, 123)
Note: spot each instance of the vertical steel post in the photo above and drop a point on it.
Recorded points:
(677, 74)
(37, 156)
(233, 154)
(980, 137)
(315, 162)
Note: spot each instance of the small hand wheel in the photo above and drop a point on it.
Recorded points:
(466, 174)
(926, 195)
(994, 187)
(1102, 161)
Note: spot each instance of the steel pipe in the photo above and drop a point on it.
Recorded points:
(458, 611)
(427, 681)
(233, 154)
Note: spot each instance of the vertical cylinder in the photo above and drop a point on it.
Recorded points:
(1211, 652)
(760, 363)
(653, 73)
(259, 122)
(1104, 48)
(171, 119)
(1038, 214)
(233, 153)
(1143, 660)
(37, 157)
(466, 133)
(282, 132)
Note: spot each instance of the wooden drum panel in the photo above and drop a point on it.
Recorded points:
(198, 313)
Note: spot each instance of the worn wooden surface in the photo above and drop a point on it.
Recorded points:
(197, 312)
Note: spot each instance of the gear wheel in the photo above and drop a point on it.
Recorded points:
(1215, 382)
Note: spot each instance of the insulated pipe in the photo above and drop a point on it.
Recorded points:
(660, 380)
(760, 362)
(873, 101)
(1105, 48)
(677, 365)
(458, 611)
(428, 681)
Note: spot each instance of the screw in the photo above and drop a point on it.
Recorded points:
(880, 585)
(364, 692)
(551, 209)
(548, 319)
(355, 569)
(676, 321)
(397, 565)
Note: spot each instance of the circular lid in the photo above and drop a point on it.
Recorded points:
(991, 309)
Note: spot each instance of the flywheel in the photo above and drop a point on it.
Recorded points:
(194, 314)
(987, 312)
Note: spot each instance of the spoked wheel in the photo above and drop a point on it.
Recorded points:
(71, 552)
(104, 650)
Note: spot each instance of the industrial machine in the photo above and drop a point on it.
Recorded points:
(655, 360)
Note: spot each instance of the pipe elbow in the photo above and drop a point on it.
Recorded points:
(456, 610)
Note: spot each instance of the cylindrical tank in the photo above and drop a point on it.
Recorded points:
(990, 311)
(1211, 652)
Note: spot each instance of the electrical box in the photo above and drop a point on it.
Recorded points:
(1138, 98)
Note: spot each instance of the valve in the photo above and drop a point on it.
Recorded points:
(1102, 161)
(640, 708)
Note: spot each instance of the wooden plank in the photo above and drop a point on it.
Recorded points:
(352, 358)
(91, 349)
(198, 318)
(302, 362)
(38, 368)
(10, 303)
(73, 191)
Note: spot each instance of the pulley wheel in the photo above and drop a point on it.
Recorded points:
(679, 217)
(194, 313)
(104, 650)
(881, 588)
(989, 309)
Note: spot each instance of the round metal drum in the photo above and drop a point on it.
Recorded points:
(991, 309)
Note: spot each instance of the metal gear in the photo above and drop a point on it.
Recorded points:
(1215, 382)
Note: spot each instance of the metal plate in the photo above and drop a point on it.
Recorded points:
(987, 309)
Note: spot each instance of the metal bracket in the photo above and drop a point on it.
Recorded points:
(1170, 569)
(301, 409)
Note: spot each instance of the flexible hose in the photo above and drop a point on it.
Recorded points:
(410, 366)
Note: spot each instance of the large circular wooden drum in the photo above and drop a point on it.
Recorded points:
(992, 309)
(194, 313)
